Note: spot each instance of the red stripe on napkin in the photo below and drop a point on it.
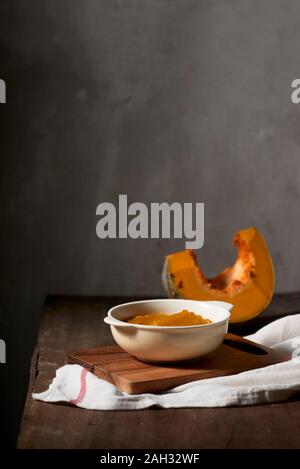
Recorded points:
(82, 391)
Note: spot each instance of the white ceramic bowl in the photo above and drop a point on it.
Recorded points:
(169, 343)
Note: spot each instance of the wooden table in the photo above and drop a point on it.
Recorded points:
(74, 323)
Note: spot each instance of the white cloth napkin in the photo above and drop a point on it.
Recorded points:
(75, 385)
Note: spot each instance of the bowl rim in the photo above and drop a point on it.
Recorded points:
(167, 328)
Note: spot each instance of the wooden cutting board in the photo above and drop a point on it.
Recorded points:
(133, 376)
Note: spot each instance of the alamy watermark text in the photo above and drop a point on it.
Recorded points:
(2, 92)
(160, 220)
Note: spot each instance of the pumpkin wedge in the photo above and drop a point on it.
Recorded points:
(248, 284)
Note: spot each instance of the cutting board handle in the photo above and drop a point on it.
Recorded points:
(245, 345)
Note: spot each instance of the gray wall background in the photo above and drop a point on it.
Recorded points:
(179, 100)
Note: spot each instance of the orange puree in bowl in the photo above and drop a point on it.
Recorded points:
(184, 318)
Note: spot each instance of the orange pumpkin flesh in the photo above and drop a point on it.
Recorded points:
(248, 284)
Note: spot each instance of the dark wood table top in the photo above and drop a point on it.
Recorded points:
(71, 323)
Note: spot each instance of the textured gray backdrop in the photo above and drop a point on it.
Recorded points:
(179, 100)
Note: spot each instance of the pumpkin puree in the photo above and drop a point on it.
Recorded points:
(183, 318)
